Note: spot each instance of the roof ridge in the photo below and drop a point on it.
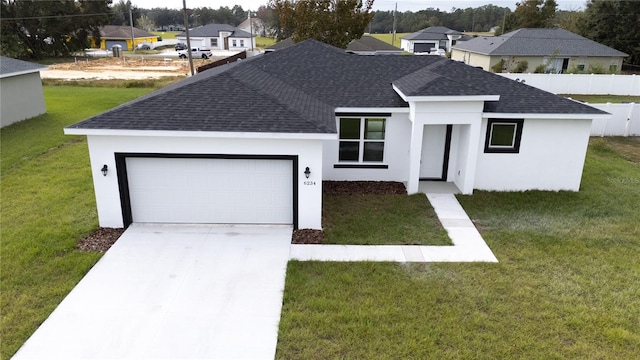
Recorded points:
(294, 99)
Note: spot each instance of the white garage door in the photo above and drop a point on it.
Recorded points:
(228, 191)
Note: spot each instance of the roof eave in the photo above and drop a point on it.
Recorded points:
(577, 116)
(199, 134)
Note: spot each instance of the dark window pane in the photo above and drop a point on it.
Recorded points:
(373, 151)
(374, 129)
(349, 151)
(349, 128)
(502, 134)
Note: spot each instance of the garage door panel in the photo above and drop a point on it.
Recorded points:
(210, 190)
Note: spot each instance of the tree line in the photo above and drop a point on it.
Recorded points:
(32, 28)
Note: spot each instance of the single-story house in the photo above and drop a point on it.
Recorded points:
(253, 141)
(368, 45)
(560, 50)
(21, 95)
(438, 37)
(218, 37)
(111, 35)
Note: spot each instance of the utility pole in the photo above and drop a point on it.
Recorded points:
(393, 38)
(186, 29)
(251, 29)
(133, 45)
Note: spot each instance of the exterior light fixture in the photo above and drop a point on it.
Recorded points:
(307, 172)
(104, 169)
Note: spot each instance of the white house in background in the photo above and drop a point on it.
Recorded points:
(255, 27)
(262, 135)
(21, 95)
(218, 37)
(438, 37)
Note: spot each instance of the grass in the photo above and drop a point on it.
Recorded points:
(381, 220)
(598, 99)
(166, 34)
(567, 284)
(389, 37)
(263, 42)
(48, 204)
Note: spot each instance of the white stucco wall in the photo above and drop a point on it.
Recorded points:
(21, 98)
(551, 157)
(396, 155)
(103, 148)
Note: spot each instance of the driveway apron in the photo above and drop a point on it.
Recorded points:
(174, 292)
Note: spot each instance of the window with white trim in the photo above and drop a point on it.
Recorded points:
(503, 136)
(213, 42)
(241, 43)
(361, 139)
(234, 43)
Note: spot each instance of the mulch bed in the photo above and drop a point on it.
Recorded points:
(102, 239)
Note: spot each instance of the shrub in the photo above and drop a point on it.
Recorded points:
(497, 68)
(596, 68)
(521, 66)
(540, 69)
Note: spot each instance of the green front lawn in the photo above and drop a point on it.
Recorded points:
(600, 99)
(567, 285)
(48, 204)
(388, 38)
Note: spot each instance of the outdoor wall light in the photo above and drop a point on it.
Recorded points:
(104, 169)
(307, 172)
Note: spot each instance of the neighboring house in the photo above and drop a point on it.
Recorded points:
(368, 45)
(253, 141)
(21, 95)
(218, 37)
(255, 27)
(424, 40)
(558, 49)
(111, 35)
(282, 44)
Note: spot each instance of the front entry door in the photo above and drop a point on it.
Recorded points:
(436, 141)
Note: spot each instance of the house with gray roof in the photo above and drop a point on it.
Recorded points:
(111, 35)
(433, 37)
(369, 45)
(545, 50)
(253, 141)
(21, 95)
(218, 37)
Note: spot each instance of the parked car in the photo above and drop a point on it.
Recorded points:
(180, 46)
(143, 47)
(196, 53)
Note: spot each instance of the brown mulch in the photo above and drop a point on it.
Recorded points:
(363, 187)
(100, 240)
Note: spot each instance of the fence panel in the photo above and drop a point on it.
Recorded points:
(583, 84)
(624, 121)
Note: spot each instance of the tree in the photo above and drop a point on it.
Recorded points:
(334, 22)
(614, 23)
(35, 29)
(531, 14)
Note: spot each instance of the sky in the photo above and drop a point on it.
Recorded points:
(403, 5)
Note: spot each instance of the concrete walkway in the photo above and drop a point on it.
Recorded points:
(468, 245)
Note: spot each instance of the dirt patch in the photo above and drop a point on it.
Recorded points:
(307, 236)
(100, 240)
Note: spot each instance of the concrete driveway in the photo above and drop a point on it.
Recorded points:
(174, 292)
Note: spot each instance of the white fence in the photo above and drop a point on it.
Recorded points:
(583, 84)
(624, 121)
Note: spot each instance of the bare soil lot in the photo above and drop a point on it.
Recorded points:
(133, 68)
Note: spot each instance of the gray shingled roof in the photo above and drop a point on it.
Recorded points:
(122, 32)
(431, 33)
(537, 42)
(297, 89)
(213, 30)
(369, 43)
(12, 67)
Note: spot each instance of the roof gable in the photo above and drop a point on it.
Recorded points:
(538, 42)
(13, 67)
(431, 33)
